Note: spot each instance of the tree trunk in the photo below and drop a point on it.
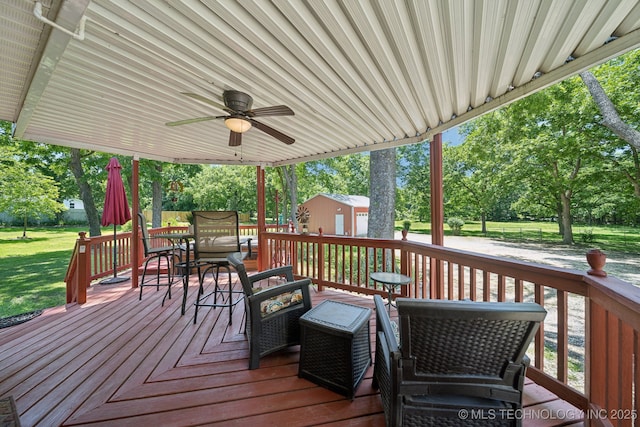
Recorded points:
(560, 219)
(156, 200)
(633, 176)
(291, 180)
(75, 164)
(610, 117)
(567, 236)
(483, 218)
(382, 193)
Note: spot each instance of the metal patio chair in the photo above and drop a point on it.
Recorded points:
(157, 254)
(217, 235)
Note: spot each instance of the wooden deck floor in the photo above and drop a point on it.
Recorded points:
(119, 361)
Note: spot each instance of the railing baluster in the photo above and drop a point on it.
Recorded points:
(519, 290)
(486, 286)
(563, 339)
(597, 357)
(450, 281)
(625, 352)
(539, 339)
(321, 270)
(502, 288)
(473, 287)
(636, 373)
(461, 281)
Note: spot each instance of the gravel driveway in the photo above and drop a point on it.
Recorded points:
(621, 265)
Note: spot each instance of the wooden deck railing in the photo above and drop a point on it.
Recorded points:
(96, 254)
(586, 351)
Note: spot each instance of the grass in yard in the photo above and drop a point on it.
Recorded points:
(610, 237)
(33, 269)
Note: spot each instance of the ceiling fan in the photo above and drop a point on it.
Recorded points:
(241, 116)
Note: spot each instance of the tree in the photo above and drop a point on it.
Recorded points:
(175, 178)
(617, 101)
(551, 138)
(26, 192)
(224, 187)
(86, 193)
(415, 179)
(289, 182)
(610, 117)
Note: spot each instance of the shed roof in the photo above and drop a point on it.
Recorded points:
(359, 75)
(354, 201)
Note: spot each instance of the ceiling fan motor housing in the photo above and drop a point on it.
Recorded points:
(237, 101)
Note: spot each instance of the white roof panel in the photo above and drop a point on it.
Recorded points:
(359, 75)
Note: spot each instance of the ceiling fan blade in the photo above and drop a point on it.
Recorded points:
(205, 100)
(276, 110)
(273, 132)
(194, 120)
(235, 139)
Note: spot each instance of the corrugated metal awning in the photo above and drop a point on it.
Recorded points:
(360, 75)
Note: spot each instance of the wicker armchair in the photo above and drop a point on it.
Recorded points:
(272, 313)
(453, 355)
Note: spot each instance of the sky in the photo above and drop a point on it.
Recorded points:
(452, 136)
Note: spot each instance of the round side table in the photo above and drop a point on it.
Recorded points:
(390, 281)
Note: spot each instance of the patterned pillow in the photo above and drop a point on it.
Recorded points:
(281, 301)
(396, 331)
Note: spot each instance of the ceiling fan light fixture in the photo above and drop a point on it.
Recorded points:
(237, 124)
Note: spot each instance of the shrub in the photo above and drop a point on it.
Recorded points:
(455, 224)
(587, 236)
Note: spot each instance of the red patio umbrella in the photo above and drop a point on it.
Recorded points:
(116, 211)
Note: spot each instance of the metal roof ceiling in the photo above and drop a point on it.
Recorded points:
(360, 75)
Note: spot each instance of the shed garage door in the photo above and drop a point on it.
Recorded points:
(362, 223)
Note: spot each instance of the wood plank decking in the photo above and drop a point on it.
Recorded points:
(119, 361)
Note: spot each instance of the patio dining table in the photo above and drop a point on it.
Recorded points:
(185, 239)
(178, 239)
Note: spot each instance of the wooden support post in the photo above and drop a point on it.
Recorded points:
(437, 213)
(263, 251)
(437, 200)
(84, 268)
(136, 249)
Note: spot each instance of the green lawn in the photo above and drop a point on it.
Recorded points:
(615, 238)
(33, 269)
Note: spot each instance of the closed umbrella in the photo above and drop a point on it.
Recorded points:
(116, 211)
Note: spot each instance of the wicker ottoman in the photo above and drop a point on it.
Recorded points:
(335, 351)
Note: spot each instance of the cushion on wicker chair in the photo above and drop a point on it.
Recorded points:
(280, 302)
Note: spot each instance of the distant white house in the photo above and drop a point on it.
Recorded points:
(75, 213)
(73, 204)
